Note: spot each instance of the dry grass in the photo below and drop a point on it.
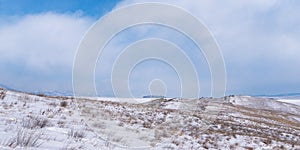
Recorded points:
(269, 115)
(76, 134)
(169, 123)
(32, 122)
(25, 138)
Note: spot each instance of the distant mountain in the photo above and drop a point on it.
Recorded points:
(6, 87)
(44, 92)
(55, 93)
(283, 95)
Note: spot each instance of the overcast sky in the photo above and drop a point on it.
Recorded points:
(259, 41)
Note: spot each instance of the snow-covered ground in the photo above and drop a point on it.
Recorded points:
(292, 101)
(236, 122)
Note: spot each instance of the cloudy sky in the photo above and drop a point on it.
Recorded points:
(259, 41)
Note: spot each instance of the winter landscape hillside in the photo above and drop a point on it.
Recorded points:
(234, 122)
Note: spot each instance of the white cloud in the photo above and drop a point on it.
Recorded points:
(42, 45)
(259, 41)
(43, 40)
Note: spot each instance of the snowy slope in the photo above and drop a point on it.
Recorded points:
(291, 101)
(264, 103)
(236, 122)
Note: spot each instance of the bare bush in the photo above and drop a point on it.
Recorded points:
(25, 98)
(4, 105)
(25, 138)
(63, 103)
(34, 122)
(2, 94)
(117, 139)
(41, 95)
(69, 146)
(76, 133)
(54, 104)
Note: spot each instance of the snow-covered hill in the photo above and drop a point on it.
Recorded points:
(291, 101)
(236, 122)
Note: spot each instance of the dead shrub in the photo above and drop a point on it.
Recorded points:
(32, 122)
(25, 138)
(76, 133)
(41, 95)
(267, 141)
(63, 104)
(2, 94)
(4, 105)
